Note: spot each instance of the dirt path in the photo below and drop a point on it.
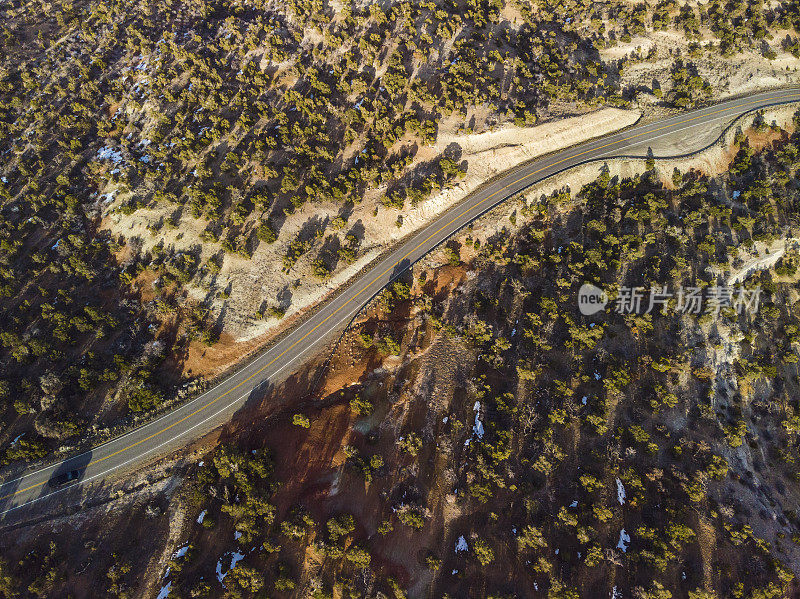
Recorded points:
(770, 257)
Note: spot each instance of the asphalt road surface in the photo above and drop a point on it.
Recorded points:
(216, 406)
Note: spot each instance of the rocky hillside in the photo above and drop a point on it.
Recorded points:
(476, 434)
(148, 151)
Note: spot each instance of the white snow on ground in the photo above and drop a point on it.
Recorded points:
(164, 592)
(624, 540)
(107, 153)
(201, 516)
(461, 544)
(478, 428)
(236, 557)
(180, 552)
(615, 594)
(620, 492)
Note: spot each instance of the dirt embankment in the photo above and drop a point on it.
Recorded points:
(250, 283)
(713, 160)
(742, 73)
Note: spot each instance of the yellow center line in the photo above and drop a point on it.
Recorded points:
(374, 280)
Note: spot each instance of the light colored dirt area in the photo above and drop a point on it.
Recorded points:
(765, 258)
(729, 76)
(708, 544)
(262, 279)
(534, 141)
(712, 161)
(209, 361)
(493, 152)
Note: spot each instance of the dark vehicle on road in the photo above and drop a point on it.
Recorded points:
(59, 480)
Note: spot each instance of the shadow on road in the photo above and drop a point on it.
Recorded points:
(8, 491)
(400, 268)
(35, 486)
(69, 472)
(270, 402)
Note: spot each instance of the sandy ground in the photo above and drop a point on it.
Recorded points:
(763, 260)
(262, 279)
(711, 161)
(739, 74)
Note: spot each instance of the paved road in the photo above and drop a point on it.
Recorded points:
(217, 405)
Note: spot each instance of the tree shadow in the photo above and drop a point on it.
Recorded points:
(311, 228)
(65, 479)
(284, 297)
(400, 268)
(346, 211)
(358, 231)
(216, 328)
(329, 253)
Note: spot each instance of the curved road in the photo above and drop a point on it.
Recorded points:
(215, 406)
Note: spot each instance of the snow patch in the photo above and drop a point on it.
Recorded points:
(478, 427)
(461, 544)
(201, 516)
(620, 492)
(106, 153)
(236, 557)
(624, 541)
